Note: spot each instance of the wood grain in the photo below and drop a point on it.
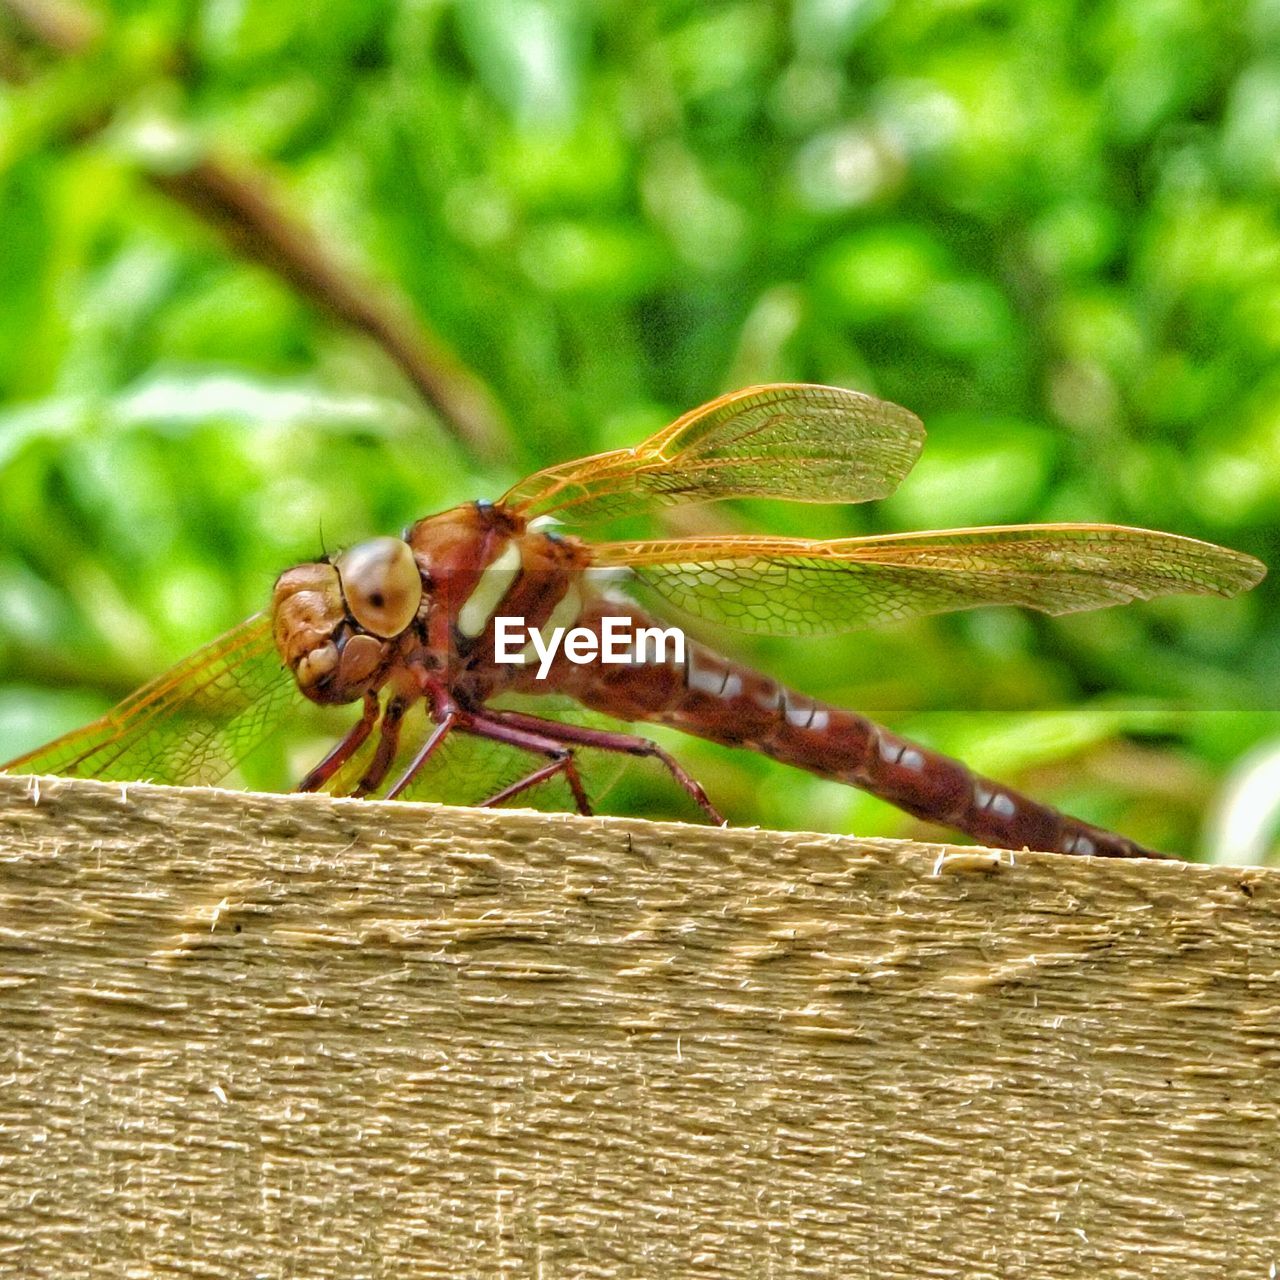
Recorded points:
(290, 1036)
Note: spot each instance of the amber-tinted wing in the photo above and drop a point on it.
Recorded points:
(790, 440)
(785, 586)
(193, 724)
(469, 770)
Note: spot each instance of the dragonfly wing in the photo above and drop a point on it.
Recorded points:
(786, 586)
(191, 725)
(790, 440)
(599, 770)
(466, 769)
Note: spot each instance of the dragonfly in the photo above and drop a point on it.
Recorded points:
(416, 629)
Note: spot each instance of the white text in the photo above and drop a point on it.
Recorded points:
(616, 643)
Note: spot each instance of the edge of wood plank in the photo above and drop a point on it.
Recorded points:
(22, 791)
(248, 1034)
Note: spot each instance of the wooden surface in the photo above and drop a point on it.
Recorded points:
(264, 1036)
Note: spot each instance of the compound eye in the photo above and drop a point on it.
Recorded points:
(381, 584)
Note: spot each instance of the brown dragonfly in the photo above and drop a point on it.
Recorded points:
(418, 629)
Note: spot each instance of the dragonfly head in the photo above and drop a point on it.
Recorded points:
(335, 622)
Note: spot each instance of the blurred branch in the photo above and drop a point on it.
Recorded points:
(239, 202)
(66, 672)
(241, 206)
(61, 26)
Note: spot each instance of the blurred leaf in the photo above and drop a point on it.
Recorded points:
(975, 470)
(881, 273)
(527, 52)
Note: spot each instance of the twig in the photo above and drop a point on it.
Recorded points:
(241, 206)
(60, 25)
(239, 202)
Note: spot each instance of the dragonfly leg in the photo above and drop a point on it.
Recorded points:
(605, 740)
(548, 770)
(388, 741)
(442, 730)
(345, 749)
(487, 725)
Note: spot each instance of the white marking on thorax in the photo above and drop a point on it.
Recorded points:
(564, 615)
(609, 581)
(495, 581)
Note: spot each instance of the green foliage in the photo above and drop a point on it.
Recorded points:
(1051, 230)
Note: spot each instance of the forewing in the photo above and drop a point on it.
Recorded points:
(191, 725)
(784, 586)
(790, 440)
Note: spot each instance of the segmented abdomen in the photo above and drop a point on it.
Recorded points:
(716, 698)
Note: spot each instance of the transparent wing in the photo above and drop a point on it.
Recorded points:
(191, 725)
(790, 440)
(469, 770)
(786, 586)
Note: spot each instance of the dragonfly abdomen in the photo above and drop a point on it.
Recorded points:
(715, 698)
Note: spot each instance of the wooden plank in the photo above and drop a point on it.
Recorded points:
(246, 1035)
